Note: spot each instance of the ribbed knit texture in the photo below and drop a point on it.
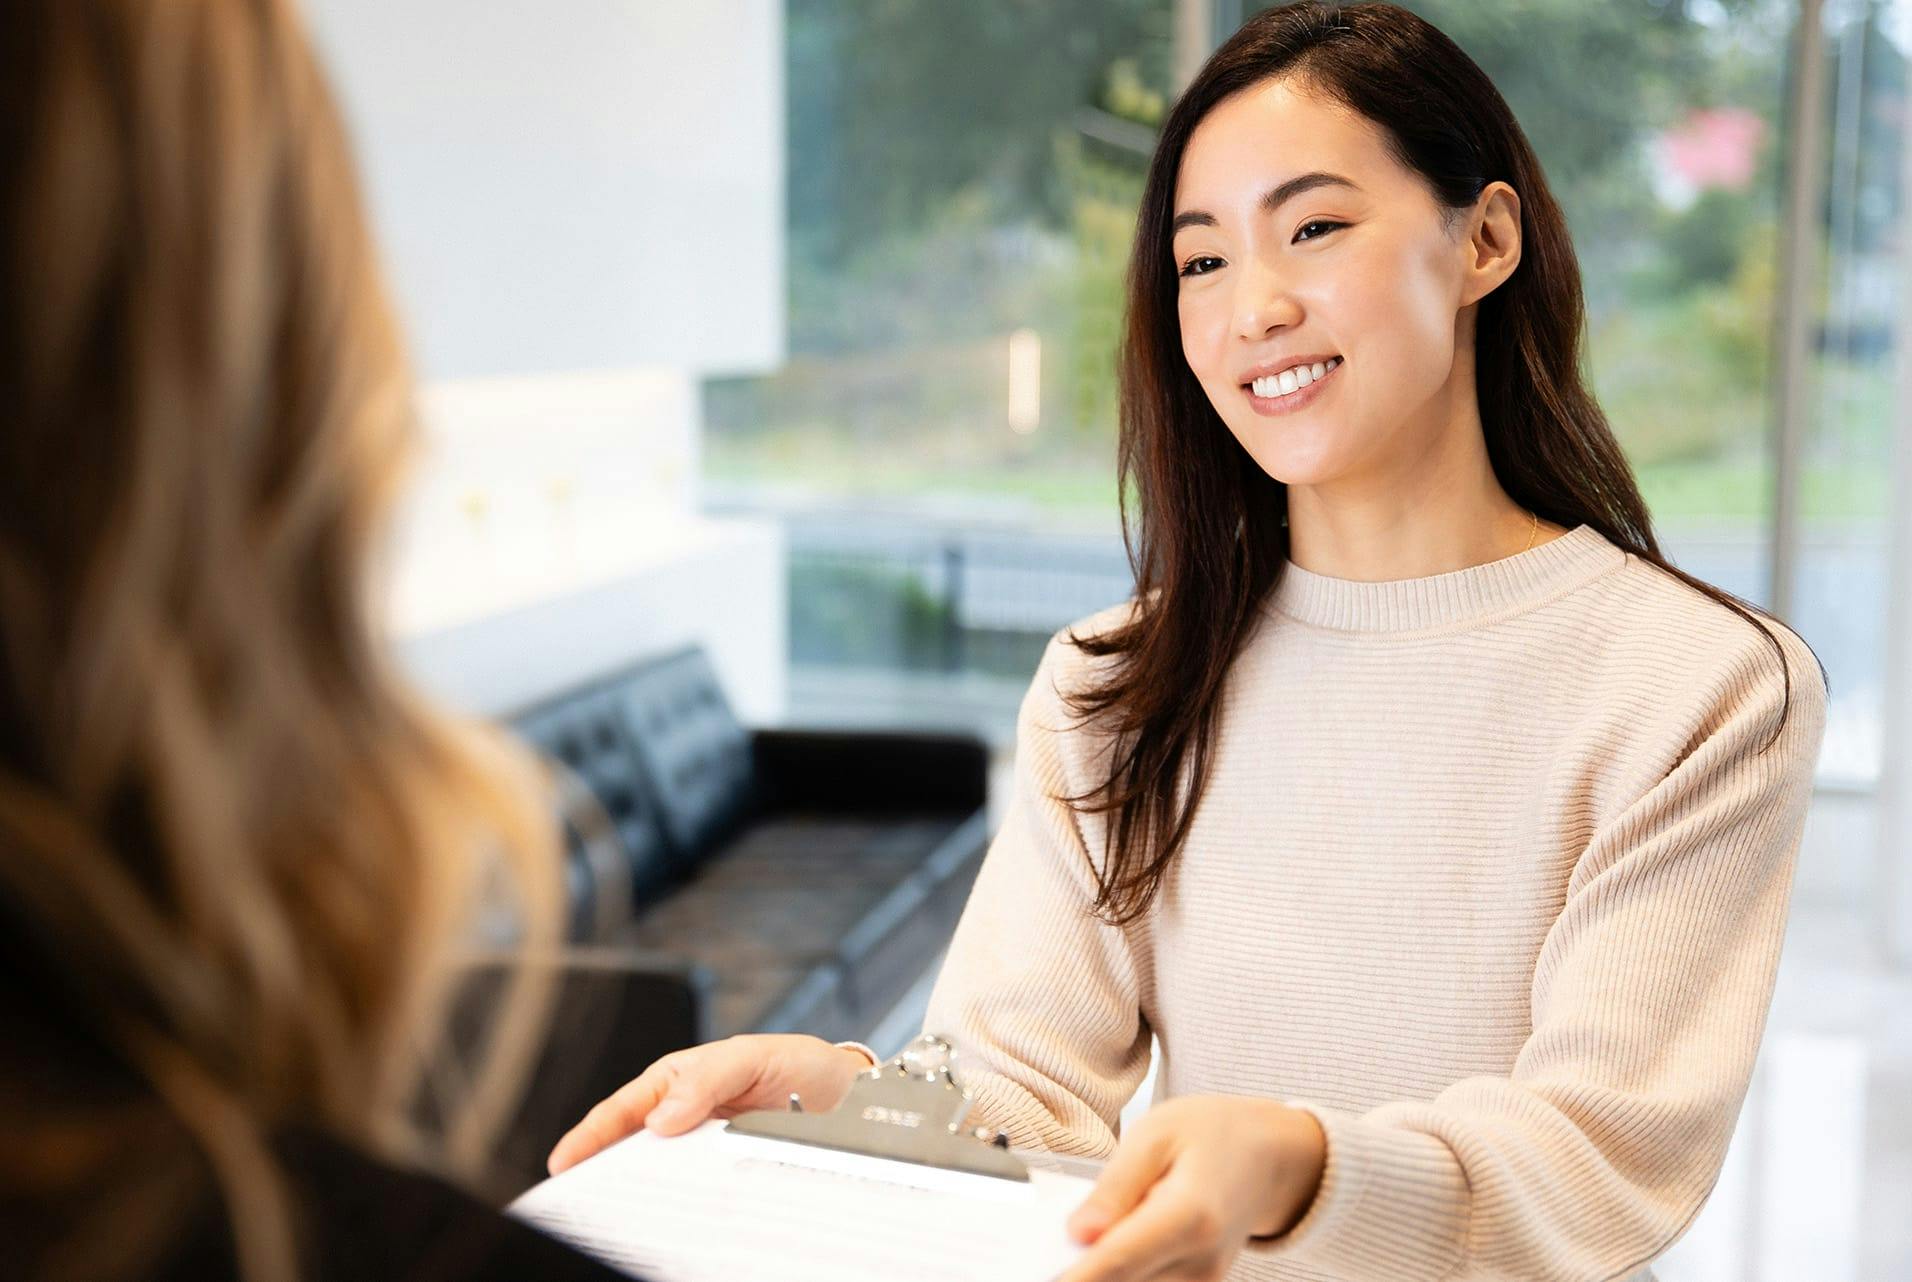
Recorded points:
(1491, 876)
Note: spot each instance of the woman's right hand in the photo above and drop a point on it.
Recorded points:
(717, 1079)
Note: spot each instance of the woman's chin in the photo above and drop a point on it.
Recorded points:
(1299, 461)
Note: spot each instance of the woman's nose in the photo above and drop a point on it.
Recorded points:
(1263, 304)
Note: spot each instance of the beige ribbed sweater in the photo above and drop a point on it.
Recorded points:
(1490, 876)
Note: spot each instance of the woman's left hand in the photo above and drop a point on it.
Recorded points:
(1191, 1183)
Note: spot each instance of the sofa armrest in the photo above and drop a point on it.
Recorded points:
(872, 772)
(614, 1011)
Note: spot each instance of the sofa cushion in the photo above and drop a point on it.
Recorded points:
(769, 912)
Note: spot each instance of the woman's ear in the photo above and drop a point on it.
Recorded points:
(1493, 242)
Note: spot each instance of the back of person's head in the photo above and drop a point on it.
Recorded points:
(234, 851)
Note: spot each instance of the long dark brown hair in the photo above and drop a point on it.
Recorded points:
(1206, 528)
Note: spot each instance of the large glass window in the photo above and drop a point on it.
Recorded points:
(1855, 307)
(962, 193)
(962, 190)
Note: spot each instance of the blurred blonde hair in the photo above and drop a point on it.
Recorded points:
(236, 850)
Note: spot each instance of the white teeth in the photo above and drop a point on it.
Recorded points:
(1293, 380)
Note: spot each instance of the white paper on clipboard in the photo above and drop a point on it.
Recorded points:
(711, 1206)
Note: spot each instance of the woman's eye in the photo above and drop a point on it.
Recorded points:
(1201, 265)
(1318, 222)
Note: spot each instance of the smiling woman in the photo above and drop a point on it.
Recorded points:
(1339, 186)
(1439, 831)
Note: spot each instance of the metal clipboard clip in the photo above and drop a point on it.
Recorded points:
(909, 1108)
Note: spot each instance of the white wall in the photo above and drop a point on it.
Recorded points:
(572, 184)
(530, 487)
(580, 205)
(714, 584)
(550, 536)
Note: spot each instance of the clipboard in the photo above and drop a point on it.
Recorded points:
(891, 1182)
(909, 1108)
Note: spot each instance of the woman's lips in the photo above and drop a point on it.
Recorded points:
(1299, 399)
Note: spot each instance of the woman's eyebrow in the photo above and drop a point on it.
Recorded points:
(1274, 198)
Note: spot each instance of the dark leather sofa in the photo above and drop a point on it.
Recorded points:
(726, 880)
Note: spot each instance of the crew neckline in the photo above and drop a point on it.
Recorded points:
(1472, 595)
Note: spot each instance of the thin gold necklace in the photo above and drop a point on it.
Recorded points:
(1533, 532)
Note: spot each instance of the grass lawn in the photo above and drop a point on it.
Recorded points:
(1080, 488)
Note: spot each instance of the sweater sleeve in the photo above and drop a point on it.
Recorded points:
(1039, 995)
(1649, 1000)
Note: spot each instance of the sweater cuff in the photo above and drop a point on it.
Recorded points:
(1392, 1203)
